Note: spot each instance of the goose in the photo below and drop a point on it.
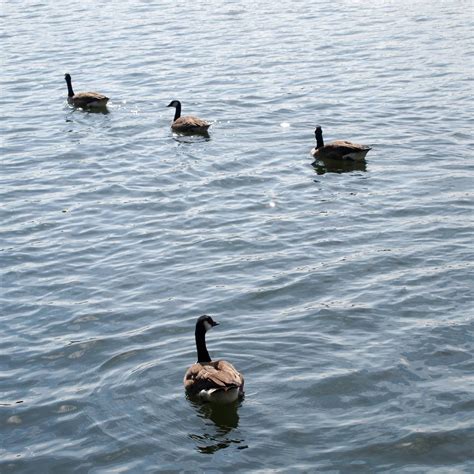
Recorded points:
(84, 99)
(187, 124)
(338, 149)
(214, 381)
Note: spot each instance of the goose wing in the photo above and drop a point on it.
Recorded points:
(353, 146)
(190, 123)
(89, 97)
(339, 148)
(219, 374)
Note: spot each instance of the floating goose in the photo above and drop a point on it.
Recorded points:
(339, 149)
(213, 381)
(187, 124)
(84, 99)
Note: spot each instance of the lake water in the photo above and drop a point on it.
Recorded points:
(344, 293)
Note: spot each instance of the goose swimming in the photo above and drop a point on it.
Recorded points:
(84, 99)
(214, 381)
(338, 149)
(188, 123)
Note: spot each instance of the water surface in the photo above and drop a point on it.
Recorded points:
(344, 293)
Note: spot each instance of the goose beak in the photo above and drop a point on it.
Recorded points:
(215, 324)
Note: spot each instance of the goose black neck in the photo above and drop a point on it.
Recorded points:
(70, 92)
(177, 112)
(203, 355)
(319, 138)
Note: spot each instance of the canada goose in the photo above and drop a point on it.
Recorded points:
(187, 124)
(339, 149)
(213, 381)
(84, 99)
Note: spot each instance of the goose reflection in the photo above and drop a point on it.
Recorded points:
(338, 166)
(104, 110)
(100, 111)
(220, 421)
(183, 137)
(84, 112)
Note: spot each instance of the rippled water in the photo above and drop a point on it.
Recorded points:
(344, 293)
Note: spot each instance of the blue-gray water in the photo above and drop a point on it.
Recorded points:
(344, 295)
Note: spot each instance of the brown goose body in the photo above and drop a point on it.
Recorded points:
(188, 123)
(215, 381)
(338, 149)
(84, 99)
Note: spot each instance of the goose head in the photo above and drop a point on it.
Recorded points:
(205, 323)
(174, 103)
(319, 136)
(70, 92)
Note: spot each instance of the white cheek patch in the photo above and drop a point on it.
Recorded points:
(207, 326)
